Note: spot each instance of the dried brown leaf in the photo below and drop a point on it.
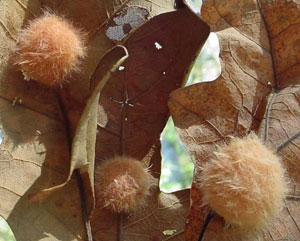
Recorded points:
(133, 112)
(38, 131)
(257, 91)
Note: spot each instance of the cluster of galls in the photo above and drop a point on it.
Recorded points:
(49, 49)
(244, 182)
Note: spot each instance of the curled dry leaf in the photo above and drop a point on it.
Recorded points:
(84, 140)
(258, 90)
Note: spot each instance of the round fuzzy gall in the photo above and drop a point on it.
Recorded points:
(244, 183)
(122, 184)
(49, 49)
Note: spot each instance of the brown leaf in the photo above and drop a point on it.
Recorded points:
(29, 145)
(258, 43)
(283, 123)
(38, 130)
(84, 140)
(133, 112)
(35, 152)
(102, 21)
(34, 156)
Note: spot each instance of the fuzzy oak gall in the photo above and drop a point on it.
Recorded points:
(49, 49)
(244, 183)
(122, 184)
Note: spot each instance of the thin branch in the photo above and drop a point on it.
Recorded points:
(85, 215)
(78, 177)
(291, 197)
(119, 227)
(287, 141)
(207, 220)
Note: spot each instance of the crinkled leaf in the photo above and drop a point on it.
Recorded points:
(257, 90)
(84, 141)
(38, 130)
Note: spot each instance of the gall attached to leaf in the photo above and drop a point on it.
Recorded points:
(49, 49)
(122, 184)
(244, 183)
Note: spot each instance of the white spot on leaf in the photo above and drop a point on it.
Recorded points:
(169, 232)
(158, 45)
(121, 68)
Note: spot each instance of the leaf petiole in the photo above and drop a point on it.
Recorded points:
(209, 216)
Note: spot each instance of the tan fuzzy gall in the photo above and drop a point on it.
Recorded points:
(49, 49)
(122, 184)
(244, 183)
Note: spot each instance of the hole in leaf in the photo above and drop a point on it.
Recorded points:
(195, 4)
(6, 233)
(177, 166)
(207, 66)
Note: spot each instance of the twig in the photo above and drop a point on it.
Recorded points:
(287, 141)
(291, 197)
(119, 226)
(85, 216)
(282, 145)
(86, 220)
(209, 216)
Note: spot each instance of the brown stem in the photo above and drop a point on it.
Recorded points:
(207, 220)
(287, 141)
(119, 227)
(291, 197)
(86, 220)
(85, 215)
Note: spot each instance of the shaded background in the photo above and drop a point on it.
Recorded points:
(177, 167)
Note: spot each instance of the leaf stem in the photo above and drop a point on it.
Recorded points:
(85, 215)
(287, 141)
(208, 218)
(78, 177)
(291, 197)
(119, 226)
